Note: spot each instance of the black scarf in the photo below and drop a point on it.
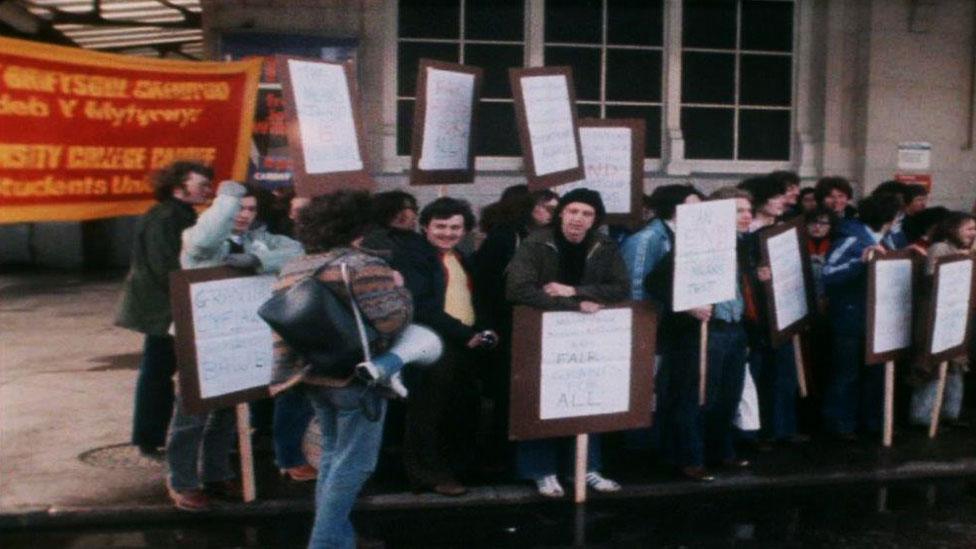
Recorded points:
(572, 260)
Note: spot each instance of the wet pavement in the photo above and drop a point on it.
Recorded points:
(938, 514)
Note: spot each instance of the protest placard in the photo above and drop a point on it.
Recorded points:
(444, 127)
(890, 307)
(325, 129)
(947, 328)
(223, 349)
(545, 112)
(576, 373)
(613, 161)
(704, 254)
(789, 292)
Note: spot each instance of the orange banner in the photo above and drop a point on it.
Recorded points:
(81, 132)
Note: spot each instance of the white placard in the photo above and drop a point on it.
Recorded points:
(892, 305)
(607, 162)
(233, 344)
(325, 117)
(549, 117)
(914, 155)
(786, 268)
(704, 260)
(447, 120)
(952, 305)
(586, 361)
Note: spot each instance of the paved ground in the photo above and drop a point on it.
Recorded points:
(66, 382)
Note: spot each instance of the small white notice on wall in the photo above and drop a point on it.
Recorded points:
(914, 155)
(233, 344)
(585, 363)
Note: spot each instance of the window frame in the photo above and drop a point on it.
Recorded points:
(672, 161)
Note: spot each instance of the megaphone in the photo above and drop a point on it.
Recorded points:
(418, 345)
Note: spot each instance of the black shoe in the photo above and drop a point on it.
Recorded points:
(151, 452)
(697, 474)
(736, 463)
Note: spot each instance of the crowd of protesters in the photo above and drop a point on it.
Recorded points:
(456, 284)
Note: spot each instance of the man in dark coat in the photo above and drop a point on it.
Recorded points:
(145, 299)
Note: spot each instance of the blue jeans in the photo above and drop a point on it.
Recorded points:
(774, 371)
(535, 459)
(854, 396)
(923, 399)
(723, 388)
(350, 448)
(153, 406)
(199, 441)
(292, 414)
(679, 418)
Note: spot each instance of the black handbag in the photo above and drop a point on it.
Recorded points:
(328, 332)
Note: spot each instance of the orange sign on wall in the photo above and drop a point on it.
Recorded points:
(81, 132)
(923, 179)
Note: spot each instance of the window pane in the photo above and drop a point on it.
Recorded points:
(764, 135)
(430, 18)
(496, 60)
(708, 78)
(586, 68)
(708, 24)
(574, 21)
(652, 119)
(587, 111)
(409, 59)
(765, 80)
(633, 75)
(493, 20)
(707, 133)
(404, 126)
(496, 134)
(635, 22)
(767, 26)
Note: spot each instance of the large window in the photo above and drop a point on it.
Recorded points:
(736, 79)
(615, 48)
(720, 71)
(481, 33)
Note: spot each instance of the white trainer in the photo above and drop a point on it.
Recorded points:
(600, 483)
(548, 486)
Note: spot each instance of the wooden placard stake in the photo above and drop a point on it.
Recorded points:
(801, 375)
(582, 444)
(889, 403)
(441, 191)
(247, 454)
(937, 407)
(702, 362)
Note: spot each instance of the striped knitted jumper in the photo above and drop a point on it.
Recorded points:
(386, 306)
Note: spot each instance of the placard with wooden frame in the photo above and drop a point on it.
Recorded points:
(537, 181)
(870, 356)
(525, 412)
(322, 182)
(634, 218)
(926, 355)
(419, 175)
(187, 358)
(781, 336)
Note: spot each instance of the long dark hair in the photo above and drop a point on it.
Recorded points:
(333, 220)
(948, 229)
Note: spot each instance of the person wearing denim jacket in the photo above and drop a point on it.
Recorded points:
(225, 234)
(853, 396)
